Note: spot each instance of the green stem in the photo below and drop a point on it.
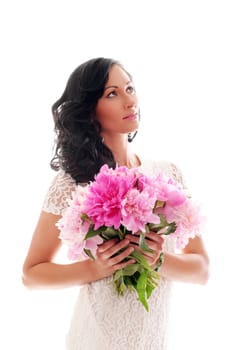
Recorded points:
(121, 234)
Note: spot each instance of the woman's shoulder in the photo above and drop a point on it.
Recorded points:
(59, 193)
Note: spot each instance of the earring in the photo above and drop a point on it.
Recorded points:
(130, 137)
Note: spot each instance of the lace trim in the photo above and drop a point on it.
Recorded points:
(59, 193)
(177, 175)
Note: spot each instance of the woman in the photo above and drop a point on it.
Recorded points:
(95, 118)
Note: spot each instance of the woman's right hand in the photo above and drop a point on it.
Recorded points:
(110, 258)
(41, 271)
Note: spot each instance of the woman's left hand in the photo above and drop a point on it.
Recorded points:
(154, 241)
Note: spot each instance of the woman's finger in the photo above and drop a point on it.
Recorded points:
(107, 251)
(154, 237)
(154, 242)
(121, 256)
(107, 245)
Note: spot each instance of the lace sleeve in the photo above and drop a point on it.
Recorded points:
(59, 193)
(170, 169)
(177, 175)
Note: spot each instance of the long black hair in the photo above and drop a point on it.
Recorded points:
(79, 148)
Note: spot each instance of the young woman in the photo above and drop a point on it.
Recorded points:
(95, 118)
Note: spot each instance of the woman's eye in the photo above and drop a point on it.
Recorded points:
(131, 89)
(111, 94)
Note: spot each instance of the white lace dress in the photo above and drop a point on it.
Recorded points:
(101, 319)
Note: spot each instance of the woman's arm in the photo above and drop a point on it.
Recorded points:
(40, 270)
(191, 265)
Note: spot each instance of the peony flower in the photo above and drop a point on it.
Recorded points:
(74, 226)
(103, 203)
(137, 211)
(169, 191)
(188, 219)
(78, 250)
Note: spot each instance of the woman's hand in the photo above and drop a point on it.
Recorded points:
(110, 257)
(153, 241)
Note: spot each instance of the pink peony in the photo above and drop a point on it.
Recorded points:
(169, 191)
(147, 184)
(74, 226)
(137, 210)
(188, 219)
(77, 252)
(104, 199)
(71, 222)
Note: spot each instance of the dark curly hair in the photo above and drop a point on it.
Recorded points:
(79, 148)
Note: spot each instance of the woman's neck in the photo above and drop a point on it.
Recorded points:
(128, 159)
(122, 153)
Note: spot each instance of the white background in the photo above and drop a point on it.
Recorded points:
(180, 54)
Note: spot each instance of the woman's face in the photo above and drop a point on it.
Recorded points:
(117, 109)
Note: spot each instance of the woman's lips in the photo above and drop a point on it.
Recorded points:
(131, 117)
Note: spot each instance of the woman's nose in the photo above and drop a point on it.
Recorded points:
(130, 101)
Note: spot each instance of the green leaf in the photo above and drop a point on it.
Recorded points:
(121, 232)
(118, 274)
(109, 233)
(160, 262)
(141, 285)
(143, 245)
(129, 283)
(130, 269)
(164, 227)
(147, 227)
(140, 259)
(152, 279)
(92, 232)
(126, 271)
(163, 223)
(141, 289)
(170, 228)
(149, 290)
(89, 253)
(120, 286)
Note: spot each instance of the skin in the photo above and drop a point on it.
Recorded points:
(40, 271)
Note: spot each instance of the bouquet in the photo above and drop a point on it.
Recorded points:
(124, 201)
